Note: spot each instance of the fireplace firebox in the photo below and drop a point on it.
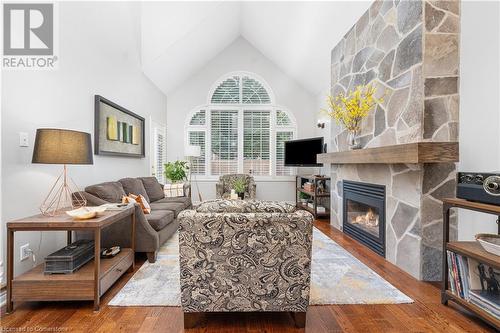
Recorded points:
(364, 214)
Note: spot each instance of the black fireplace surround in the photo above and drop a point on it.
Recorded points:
(364, 214)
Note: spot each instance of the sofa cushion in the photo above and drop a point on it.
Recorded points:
(176, 207)
(245, 206)
(186, 201)
(134, 186)
(153, 188)
(109, 191)
(159, 219)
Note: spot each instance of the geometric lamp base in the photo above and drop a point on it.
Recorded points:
(63, 194)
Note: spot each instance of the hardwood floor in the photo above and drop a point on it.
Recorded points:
(425, 315)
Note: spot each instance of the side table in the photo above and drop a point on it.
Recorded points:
(89, 282)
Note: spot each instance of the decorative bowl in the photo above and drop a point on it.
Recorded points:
(85, 213)
(490, 243)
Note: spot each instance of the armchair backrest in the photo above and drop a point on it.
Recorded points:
(245, 261)
(226, 184)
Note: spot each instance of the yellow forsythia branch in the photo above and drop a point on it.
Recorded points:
(351, 109)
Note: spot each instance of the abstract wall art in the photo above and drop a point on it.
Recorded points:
(118, 131)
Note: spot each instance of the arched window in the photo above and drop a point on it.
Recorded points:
(240, 130)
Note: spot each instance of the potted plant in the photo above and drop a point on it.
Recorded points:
(303, 198)
(176, 171)
(239, 187)
(349, 110)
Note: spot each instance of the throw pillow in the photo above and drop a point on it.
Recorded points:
(141, 200)
(174, 190)
(128, 199)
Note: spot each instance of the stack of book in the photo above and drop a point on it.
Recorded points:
(309, 187)
(487, 301)
(475, 282)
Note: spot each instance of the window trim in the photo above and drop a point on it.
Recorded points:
(241, 107)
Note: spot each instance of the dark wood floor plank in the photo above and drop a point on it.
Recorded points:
(425, 315)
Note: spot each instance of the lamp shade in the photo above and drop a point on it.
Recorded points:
(192, 151)
(60, 146)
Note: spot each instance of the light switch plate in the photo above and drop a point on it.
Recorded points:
(23, 139)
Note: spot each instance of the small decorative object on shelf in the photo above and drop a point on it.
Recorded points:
(70, 258)
(471, 275)
(303, 198)
(313, 195)
(349, 110)
(490, 243)
(85, 213)
(111, 252)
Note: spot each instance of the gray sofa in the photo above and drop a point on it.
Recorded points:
(242, 256)
(152, 230)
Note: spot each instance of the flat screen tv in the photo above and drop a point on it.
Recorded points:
(302, 153)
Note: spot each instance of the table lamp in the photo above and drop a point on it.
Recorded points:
(190, 152)
(60, 146)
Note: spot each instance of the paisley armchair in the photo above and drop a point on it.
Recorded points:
(244, 256)
(225, 184)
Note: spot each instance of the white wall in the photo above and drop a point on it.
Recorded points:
(239, 56)
(99, 54)
(479, 101)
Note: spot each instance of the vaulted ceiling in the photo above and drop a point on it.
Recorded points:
(179, 38)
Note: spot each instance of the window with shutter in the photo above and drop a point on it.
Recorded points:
(159, 156)
(224, 142)
(199, 118)
(282, 118)
(256, 142)
(248, 109)
(254, 92)
(228, 92)
(197, 138)
(281, 138)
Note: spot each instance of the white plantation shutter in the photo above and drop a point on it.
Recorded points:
(282, 118)
(228, 92)
(253, 92)
(256, 142)
(197, 138)
(281, 137)
(159, 152)
(224, 142)
(199, 118)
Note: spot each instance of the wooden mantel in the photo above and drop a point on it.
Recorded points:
(410, 153)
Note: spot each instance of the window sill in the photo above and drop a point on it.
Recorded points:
(276, 179)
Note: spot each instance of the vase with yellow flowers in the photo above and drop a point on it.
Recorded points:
(350, 109)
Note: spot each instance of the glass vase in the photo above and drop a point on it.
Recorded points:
(353, 140)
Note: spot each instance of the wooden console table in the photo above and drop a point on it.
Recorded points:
(468, 249)
(89, 282)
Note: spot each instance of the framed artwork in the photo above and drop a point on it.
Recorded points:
(117, 131)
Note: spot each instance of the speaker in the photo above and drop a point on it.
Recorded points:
(479, 186)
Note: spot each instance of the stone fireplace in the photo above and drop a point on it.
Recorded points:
(364, 218)
(409, 51)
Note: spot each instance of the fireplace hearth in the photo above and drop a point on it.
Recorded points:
(364, 214)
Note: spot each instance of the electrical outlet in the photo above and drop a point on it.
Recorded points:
(24, 251)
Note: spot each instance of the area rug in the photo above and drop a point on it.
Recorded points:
(336, 278)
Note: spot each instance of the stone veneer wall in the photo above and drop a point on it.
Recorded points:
(409, 50)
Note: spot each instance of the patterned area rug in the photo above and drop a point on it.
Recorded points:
(337, 278)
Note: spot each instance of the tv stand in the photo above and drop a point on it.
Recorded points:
(317, 196)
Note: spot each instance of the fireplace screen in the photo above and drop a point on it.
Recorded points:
(364, 216)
